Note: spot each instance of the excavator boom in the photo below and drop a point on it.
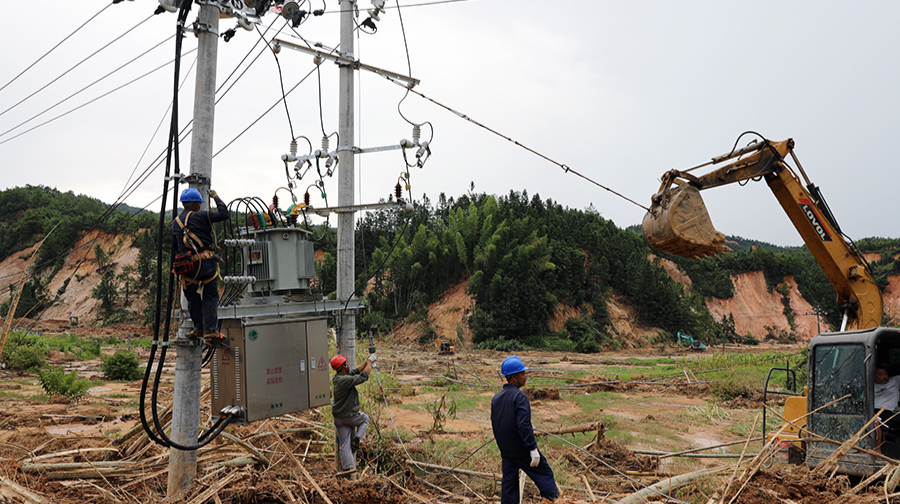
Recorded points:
(679, 223)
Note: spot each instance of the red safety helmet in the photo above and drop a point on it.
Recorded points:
(337, 361)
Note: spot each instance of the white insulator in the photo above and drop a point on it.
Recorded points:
(325, 142)
(239, 279)
(294, 147)
(417, 133)
(240, 243)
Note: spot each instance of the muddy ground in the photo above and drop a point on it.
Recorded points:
(95, 450)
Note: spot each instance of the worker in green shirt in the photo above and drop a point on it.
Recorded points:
(345, 408)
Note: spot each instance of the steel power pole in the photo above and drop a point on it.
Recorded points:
(346, 245)
(186, 400)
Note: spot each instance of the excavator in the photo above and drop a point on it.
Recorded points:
(839, 401)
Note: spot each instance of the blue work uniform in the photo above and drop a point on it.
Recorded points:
(511, 421)
(203, 298)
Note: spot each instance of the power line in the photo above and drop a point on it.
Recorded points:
(529, 149)
(60, 76)
(85, 87)
(93, 100)
(54, 47)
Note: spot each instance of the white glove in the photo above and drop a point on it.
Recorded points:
(535, 458)
(371, 358)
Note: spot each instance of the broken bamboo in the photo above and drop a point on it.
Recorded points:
(667, 485)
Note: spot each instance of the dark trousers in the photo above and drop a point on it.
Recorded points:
(542, 476)
(203, 308)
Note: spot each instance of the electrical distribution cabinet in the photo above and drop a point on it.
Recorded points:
(272, 367)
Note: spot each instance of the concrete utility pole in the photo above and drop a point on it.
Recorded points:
(189, 360)
(346, 245)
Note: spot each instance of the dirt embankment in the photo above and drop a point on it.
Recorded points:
(754, 307)
(77, 300)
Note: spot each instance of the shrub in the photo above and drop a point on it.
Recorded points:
(122, 366)
(501, 345)
(55, 381)
(25, 352)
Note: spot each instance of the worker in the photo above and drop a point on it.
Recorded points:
(350, 423)
(511, 421)
(887, 389)
(193, 234)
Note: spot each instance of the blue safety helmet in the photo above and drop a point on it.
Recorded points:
(191, 194)
(512, 365)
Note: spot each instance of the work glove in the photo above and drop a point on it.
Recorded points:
(213, 194)
(535, 457)
(371, 358)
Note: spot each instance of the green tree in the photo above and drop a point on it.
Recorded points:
(107, 292)
(127, 279)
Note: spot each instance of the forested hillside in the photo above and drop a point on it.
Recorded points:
(522, 260)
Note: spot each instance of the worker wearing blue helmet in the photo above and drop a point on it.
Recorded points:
(511, 420)
(195, 261)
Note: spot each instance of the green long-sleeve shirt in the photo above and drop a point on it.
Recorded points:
(346, 398)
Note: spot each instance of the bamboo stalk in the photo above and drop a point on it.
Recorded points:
(302, 469)
(66, 454)
(247, 446)
(410, 492)
(667, 485)
(209, 492)
(21, 492)
(451, 469)
(588, 486)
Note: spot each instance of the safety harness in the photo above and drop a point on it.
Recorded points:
(188, 263)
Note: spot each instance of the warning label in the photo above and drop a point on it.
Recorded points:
(321, 366)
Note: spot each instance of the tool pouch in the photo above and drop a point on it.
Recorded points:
(184, 264)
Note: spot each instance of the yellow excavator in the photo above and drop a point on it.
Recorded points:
(841, 366)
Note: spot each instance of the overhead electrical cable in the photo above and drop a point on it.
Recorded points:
(247, 56)
(153, 136)
(60, 76)
(85, 88)
(104, 95)
(264, 113)
(54, 47)
(280, 80)
(529, 149)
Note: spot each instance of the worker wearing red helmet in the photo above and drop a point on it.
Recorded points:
(511, 421)
(350, 423)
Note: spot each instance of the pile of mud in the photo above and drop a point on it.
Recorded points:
(616, 457)
(536, 394)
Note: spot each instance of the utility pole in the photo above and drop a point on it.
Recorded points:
(346, 245)
(189, 359)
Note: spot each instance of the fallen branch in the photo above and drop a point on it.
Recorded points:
(572, 429)
(451, 469)
(667, 485)
(12, 490)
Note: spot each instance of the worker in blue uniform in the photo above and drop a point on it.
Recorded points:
(511, 421)
(193, 234)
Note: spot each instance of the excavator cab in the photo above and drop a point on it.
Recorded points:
(841, 396)
(678, 223)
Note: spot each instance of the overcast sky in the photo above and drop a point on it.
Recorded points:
(618, 91)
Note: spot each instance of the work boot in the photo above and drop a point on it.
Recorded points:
(196, 333)
(214, 338)
(354, 444)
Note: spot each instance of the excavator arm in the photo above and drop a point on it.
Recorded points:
(679, 223)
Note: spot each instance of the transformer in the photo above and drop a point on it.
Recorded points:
(282, 262)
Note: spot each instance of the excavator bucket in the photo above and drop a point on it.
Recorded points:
(679, 224)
